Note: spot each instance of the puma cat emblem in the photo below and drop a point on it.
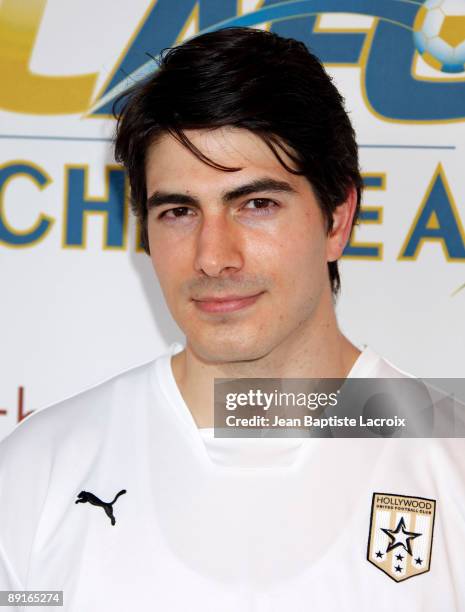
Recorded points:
(86, 496)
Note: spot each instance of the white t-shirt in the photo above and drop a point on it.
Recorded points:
(221, 525)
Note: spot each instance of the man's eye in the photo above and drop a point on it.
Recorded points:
(179, 211)
(261, 206)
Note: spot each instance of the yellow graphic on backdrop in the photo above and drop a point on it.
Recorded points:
(453, 30)
(23, 91)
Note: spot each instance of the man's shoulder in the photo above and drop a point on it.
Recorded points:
(371, 364)
(52, 450)
(79, 413)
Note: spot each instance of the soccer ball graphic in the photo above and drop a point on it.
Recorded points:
(439, 34)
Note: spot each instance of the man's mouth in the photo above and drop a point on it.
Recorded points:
(228, 303)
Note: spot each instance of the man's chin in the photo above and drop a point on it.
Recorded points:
(227, 350)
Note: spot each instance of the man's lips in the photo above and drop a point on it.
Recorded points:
(227, 303)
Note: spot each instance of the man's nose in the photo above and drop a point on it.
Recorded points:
(218, 246)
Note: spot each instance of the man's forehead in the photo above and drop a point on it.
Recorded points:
(229, 140)
(169, 160)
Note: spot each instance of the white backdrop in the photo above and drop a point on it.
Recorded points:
(72, 316)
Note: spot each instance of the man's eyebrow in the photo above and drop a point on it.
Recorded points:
(258, 185)
(158, 198)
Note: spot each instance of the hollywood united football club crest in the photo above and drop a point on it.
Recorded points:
(401, 534)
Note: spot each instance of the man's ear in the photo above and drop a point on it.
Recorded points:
(342, 226)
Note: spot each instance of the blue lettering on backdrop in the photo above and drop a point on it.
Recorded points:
(22, 238)
(79, 205)
(391, 90)
(437, 220)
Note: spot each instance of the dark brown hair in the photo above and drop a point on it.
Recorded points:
(251, 79)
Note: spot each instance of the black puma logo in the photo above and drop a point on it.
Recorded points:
(86, 496)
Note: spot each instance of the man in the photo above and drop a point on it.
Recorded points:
(244, 174)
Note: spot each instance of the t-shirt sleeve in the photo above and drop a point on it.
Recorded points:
(9, 580)
(23, 487)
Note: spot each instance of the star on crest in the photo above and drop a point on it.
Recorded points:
(400, 537)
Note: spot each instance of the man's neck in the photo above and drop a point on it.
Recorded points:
(318, 351)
